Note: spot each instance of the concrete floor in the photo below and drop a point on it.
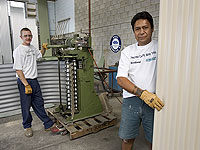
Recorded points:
(12, 136)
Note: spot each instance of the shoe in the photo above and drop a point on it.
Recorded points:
(49, 129)
(53, 128)
(28, 132)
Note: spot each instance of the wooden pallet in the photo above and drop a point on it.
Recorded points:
(87, 126)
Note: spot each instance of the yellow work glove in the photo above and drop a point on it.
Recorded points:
(28, 89)
(44, 46)
(152, 100)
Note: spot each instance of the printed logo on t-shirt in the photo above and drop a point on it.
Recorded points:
(30, 52)
(150, 59)
(150, 56)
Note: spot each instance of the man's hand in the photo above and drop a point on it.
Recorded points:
(152, 100)
(28, 89)
(44, 46)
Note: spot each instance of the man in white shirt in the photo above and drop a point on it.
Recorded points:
(137, 76)
(25, 56)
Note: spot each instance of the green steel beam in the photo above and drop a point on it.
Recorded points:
(44, 24)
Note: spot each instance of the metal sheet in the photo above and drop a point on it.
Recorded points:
(177, 126)
(47, 77)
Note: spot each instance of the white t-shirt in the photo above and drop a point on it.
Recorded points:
(138, 64)
(25, 59)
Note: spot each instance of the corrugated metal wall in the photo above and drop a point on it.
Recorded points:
(47, 77)
(177, 126)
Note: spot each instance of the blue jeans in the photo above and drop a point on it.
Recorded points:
(135, 111)
(36, 101)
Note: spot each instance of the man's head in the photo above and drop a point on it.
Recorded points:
(26, 36)
(142, 25)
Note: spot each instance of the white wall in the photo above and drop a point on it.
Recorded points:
(18, 21)
(5, 42)
(52, 17)
(112, 17)
(177, 126)
(60, 10)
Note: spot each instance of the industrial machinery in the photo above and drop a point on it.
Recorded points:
(82, 101)
(82, 112)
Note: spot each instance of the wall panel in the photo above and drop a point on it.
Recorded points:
(112, 17)
(47, 77)
(5, 46)
(177, 126)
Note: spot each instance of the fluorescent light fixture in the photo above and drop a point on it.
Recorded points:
(17, 4)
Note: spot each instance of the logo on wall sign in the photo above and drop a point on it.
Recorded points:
(115, 43)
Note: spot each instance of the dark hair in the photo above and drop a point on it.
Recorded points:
(24, 29)
(142, 15)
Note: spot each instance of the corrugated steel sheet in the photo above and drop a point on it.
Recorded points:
(177, 126)
(47, 77)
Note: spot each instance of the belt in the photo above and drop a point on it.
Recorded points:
(31, 79)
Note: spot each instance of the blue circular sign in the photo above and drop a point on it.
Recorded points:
(115, 43)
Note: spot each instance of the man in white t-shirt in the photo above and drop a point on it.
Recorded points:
(25, 56)
(137, 76)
